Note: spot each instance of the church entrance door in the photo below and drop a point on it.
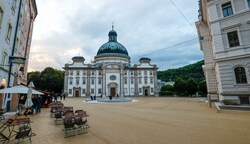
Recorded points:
(146, 92)
(77, 93)
(112, 92)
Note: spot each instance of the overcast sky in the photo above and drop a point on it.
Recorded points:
(147, 28)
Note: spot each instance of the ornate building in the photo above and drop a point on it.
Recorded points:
(111, 74)
(16, 26)
(224, 31)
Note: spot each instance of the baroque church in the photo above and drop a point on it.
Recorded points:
(111, 74)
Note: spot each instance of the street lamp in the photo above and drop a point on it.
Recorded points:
(14, 60)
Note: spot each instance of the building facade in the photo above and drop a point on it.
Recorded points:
(111, 74)
(224, 32)
(16, 26)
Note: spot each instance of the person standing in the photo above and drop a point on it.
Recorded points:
(21, 104)
(54, 96)
(64, 94)
(34, 106)
(39, 102)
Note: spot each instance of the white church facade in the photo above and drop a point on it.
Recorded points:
(111, 74)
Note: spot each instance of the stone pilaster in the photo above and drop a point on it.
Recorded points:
(136, 91)
(155, 83)
(66, 81)
(121, 84)
(103, 83)
(88, 83)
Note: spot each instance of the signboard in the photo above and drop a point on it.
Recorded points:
(17, 60)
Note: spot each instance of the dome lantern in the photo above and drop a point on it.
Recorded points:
(112, 35)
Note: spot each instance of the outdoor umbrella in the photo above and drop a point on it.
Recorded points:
(20, 89)
(29, 102)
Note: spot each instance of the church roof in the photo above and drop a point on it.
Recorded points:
(112, 46)
(79, 58)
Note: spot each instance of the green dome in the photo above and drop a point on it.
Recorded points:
(112, 46)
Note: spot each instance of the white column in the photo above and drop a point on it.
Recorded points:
(104, 84)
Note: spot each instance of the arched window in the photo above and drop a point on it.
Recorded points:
(240, 75)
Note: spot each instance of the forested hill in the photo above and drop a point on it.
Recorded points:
(186, 72)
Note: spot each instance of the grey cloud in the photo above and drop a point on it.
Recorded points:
(143, 26)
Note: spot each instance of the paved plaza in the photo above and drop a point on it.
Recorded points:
(148, 121)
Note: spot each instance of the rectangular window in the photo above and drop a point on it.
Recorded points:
(100, 73)
(233, 39)
(92, 91)
(145, 73)
(240, 75)
(17, 44)
(145, 80)
(132, 73)
(152, 90)
(84, 72)
(1, 17)
(139, 80)
(77, 81)
(83, 91)
(151, 73)
(70, 81)
(14, 6)
(78, 73)
(139, 72)
(21, 20)
(70, 91)
(99, 91)
(92, 81)
(132, 90)
(151, 80)
(84, 81)
(8, 36)
(227, 9)
(132, 80)
(5, 58)
(71, 72)
(93, 73)
(125, 73)
(99, 81)
(139, 90)
(125, 90)
(125, 81)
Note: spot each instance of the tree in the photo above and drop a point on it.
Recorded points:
(191, 86)
(167, 90)
(203, 88)
(189, 71)
(180, 86)
(35, 77)
(49, 79)
(52, 79)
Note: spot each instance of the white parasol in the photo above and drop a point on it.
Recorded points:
(19, 89)
(29, 102)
